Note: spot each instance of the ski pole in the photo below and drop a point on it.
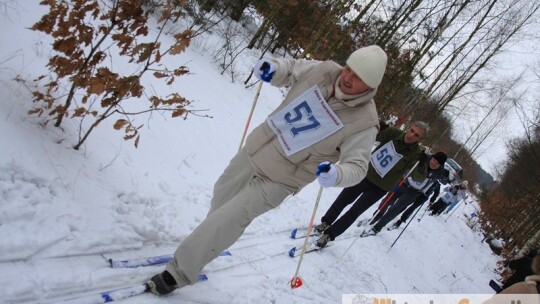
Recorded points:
(391, 194)
(403, 230)
(250, 114)
(455, 209)
(296, 281)
(383, 204)
(425, 211)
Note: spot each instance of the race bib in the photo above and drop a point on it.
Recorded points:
(385, 158)
(417, 185)
(447, 197)
(305, 121)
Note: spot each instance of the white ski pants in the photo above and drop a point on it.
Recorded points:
(240, 195)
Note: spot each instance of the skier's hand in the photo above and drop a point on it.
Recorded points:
(382, 125)
(422, 157)
(264, 70)
(327, 174)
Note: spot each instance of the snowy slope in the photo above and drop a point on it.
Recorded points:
(63, 212)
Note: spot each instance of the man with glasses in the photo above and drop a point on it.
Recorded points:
(397, 153)
(410, 191)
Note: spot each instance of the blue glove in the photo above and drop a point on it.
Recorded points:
(326, 174)
(396, 189)
(264, 70)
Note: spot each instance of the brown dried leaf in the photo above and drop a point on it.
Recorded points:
(155, 101)
(181, 71)
(46, 24)
(37, 111)
(160, 74)
(119, 124)
(95, 86)
(158, 54)
(178, 112)
(123, 42)
(142, 31)
(144, 50)
(79, 112)
(130, 136)
(66, 46)
(38, 95)
(61, 31)
(182, 42)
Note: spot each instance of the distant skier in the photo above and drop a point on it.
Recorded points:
(397, 153)
(460, 196)
(449, 196)
(409, 192)
(328, 115)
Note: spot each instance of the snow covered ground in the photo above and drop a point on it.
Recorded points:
(63, 212)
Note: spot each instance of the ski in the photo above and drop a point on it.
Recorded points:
(366, 233)
(117, 294)
(362, 222)
(300, 233)
(297, 251)
(311, 247)
(150, 261)
(393, 227)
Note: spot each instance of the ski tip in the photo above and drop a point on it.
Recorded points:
(202, 278)
(293, 233)
(292, 251)
(225, 253)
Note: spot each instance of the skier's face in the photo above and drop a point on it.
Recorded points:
(413, 135)
(434, 164)
(350, 83)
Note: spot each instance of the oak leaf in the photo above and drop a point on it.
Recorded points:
(120, 123)
(160, 74)
(178, 112)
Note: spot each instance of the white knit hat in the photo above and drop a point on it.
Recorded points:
(369, 63)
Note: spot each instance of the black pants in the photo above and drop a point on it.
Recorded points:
(417, 203)
(381, 210)
(438, 207)
(404, 199)
(369, 195)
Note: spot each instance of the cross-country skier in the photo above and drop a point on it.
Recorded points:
(460, 196)
(449, 196)
(410, 191)
(397, 152)
(433, 192)
(327, 116)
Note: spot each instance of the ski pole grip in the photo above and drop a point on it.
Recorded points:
(323, 167)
